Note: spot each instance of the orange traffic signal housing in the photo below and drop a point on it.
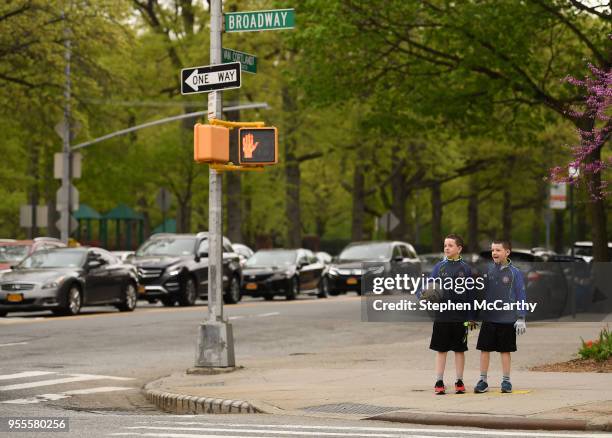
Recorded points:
(258, 146)
(210, 143)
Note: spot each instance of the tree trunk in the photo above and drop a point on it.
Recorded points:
(536, 225)
(559, 233)
(233, 181)
(292, 172)
(34, 194)
(398, 203)
(507, 214)
(597, 212)
(472, 213)
(358, 203)
(436, 217)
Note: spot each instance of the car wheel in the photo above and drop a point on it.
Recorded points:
(168, 302)
(129, 299)
(293, 292)
(233, 294)
(323, 288)
(73, 302)
(268, 297)
(189, 294)
(3, 314)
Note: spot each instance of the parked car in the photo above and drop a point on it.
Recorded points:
(428, 261)
(545, 282)
(243, 251)
(13, 251)
(286, 272)
(174, 268)
(65, 279)
(585, 250)
(324, 257)
(123, 256)
(345, 274)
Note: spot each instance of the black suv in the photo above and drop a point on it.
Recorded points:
(174, 268)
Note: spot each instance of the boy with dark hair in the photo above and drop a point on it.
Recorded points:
(500, 327)
(449, 333)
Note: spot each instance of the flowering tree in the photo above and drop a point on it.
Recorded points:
(595, 127)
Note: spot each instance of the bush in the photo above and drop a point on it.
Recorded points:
(598, 349)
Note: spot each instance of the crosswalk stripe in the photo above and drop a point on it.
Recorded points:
(267, 431)
(74, 378)
(13, 344)
(62, 395)
(452, 432)
(25, 374)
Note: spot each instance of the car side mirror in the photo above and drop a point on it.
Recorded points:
(203, 255)
(398, 258)
(93, 264)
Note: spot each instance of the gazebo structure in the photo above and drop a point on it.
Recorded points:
(122, 215)
(85, 215)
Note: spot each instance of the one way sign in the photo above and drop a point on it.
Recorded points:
(210, 78)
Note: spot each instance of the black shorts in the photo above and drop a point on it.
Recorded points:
(448, 336)
(496, 336)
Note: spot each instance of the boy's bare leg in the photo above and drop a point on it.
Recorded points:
(485, 357)
(506, 362)
(440, 364)
(459, 364)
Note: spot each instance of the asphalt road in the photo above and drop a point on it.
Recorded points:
(90, 368)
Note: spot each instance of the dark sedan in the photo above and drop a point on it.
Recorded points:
(345, 274)
(286, 272)
(65, 279)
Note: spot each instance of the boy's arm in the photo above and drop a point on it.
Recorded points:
(519, 292)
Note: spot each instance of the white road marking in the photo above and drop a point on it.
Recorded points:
(452, 431)
(236, 317)
(25, 374)
(267, 431)
(261, 315)
(13, 343)
(74, 378)
(52, 397)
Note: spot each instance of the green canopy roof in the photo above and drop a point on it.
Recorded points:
(170, 227)
(123, 212)
(86, 212)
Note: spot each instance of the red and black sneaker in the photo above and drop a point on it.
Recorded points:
(440, 389)
(459, 387)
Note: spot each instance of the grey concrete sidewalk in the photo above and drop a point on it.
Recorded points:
(396, 380)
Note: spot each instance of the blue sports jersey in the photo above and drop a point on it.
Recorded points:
(504, 283)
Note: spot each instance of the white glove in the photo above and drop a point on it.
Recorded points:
(520, 326)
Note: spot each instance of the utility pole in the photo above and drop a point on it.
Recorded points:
(215, 347)
(67, 155)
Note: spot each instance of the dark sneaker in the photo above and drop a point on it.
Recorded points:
(481, 387)
(459, 387)
(440, 389)
(506, 387)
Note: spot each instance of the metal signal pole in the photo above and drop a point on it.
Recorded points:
(215, 346)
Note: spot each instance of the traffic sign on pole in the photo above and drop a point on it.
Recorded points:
(252, 21)
(388, 221)
(210, 78)
(247, 62)
(61, 201)
(558, 196)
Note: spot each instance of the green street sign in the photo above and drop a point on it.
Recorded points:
(247, 62)
(260, 20)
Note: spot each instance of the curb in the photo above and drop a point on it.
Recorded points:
(493, 422)
(184, 404)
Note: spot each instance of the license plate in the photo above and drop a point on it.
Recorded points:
(351, 281)
(141, 289)
(14, 298)
(251, 286)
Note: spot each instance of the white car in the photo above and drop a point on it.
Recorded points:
(584, 250)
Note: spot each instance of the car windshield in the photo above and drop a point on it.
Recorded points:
(272, 258)
(167, 246)
(370, 251)
(53, 259)
(13, 253)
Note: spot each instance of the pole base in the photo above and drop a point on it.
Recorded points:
(215, 346)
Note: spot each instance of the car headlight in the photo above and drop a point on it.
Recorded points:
(333, 271)
(174, 272)
(53, 284)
